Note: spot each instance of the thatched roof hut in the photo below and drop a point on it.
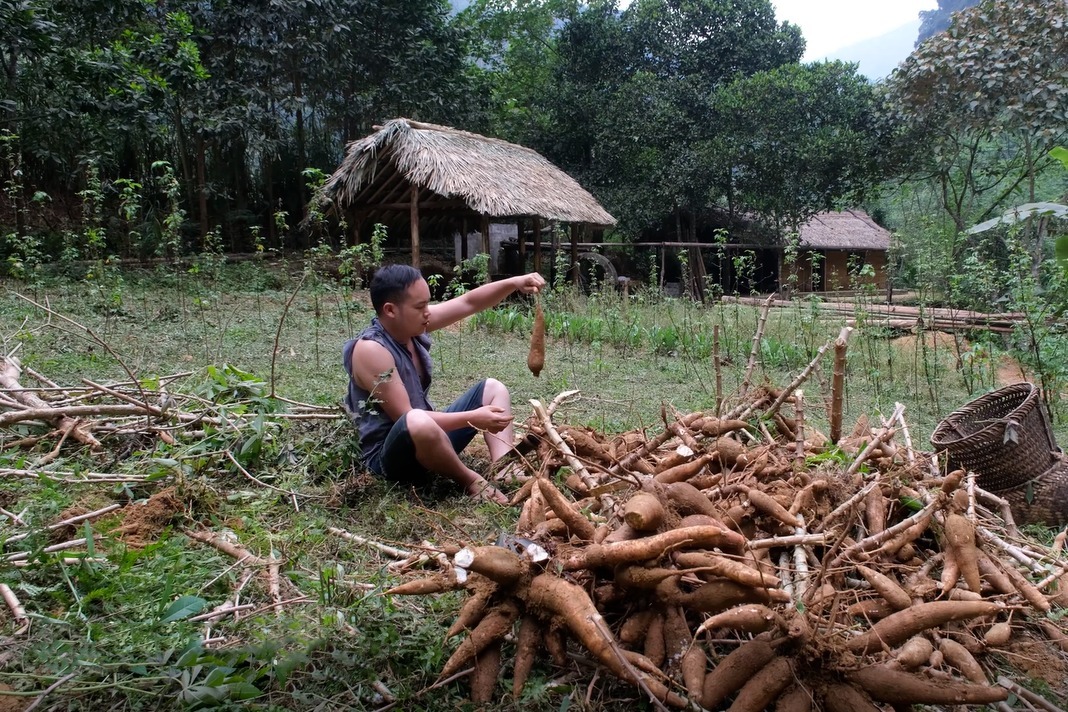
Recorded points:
(407, 168)
(845, 230)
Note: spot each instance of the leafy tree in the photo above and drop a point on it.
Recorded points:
(978, 108)
(797, 140)
(631, 107)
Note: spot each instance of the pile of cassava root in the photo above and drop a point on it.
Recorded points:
(745, 562)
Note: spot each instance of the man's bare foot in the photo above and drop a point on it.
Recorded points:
(508, 472)
(484, 491)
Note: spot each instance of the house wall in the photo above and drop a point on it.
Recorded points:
(498, 233)
(828, 270)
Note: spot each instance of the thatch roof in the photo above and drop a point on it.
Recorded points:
(457, 170)
(846, 230)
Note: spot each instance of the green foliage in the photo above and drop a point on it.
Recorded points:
(973, 116)
(797, 140)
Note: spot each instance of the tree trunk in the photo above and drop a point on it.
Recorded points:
(298, 91)
(202, 190)
(268, 184)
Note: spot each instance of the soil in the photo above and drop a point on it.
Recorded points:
(1009, 370)
(939, 340)
(81, 506)
(1038, 660)
(12, 704)
(142, 523)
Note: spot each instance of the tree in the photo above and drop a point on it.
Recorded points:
(631, 107)
(977, 109)
(797, 140)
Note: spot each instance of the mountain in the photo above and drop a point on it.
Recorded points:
(880, 55)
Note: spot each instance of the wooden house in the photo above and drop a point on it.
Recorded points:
(833, 252)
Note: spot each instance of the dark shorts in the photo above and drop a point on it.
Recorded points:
(396, 459)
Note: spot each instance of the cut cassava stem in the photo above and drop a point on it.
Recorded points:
(554, 437)
(632, 457)
(755, 348)
(838, 383)
(794, 385)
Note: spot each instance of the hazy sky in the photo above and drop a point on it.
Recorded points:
(832, 24)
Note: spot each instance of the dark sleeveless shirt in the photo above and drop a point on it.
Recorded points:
(372, 422)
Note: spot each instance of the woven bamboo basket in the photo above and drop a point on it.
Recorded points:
(1003, 436)
(1043, 500)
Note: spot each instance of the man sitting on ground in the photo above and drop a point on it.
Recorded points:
(402, 437)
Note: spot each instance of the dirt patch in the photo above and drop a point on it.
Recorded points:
(80, 507)
(939, 340)
(1036, 659)
(1010, 371)
(12, 704)
(142, 523)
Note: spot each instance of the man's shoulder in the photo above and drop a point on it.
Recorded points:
(371, 348)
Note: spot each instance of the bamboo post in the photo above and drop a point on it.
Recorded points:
(575, 277)
(719, 369)
(522, 238)
(486, 240)
(536, 243)
(554, 245)
(463, 240)
(838, 383)
(415, 226)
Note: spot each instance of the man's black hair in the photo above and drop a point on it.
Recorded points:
(390, 283)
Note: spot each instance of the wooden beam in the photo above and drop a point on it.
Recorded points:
(554, 245)
(423, 205)
(415, 226)
(387, 185)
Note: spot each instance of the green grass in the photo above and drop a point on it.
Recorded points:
(101, 621)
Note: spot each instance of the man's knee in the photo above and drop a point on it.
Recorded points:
(494, 389)
(422, 427)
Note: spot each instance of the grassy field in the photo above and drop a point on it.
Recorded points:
(106, 630)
